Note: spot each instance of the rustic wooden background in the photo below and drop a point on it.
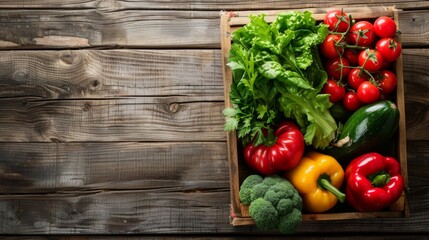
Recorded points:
(110, 119)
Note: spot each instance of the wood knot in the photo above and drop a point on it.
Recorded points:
(107, 5)
(86, 107)
(20, 76)
(95, 85)
(174, 107)
(68, 58)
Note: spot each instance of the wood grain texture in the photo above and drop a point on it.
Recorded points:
(228, 236)
(92, 28)
(131, 119)
(77, 74)
(115, 212)
(161, 211)
(58, 167)
(416, 80)
(32, 29)
(114, 5)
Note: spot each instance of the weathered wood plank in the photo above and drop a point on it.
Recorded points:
(418, 163)
(115, 212)
(149, 29)
(52, 167)
(113, 5)
(80, 74)
(160, 211)
(131, 119)
(86, 28)
(228, 236)
(416, 93)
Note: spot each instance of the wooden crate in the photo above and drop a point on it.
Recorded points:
(230, 21)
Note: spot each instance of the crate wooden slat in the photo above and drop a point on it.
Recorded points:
(231, 21)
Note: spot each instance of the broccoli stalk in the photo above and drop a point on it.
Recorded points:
(274, 203)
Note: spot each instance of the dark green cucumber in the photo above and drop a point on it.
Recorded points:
(370, 127)
(339, 112)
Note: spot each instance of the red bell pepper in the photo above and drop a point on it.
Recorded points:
(282, 154)
(373, 182)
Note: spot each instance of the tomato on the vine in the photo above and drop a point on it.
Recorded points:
(351, 101)
(361, 34)
(336, 91)
(389, 48)
(352, 56)
(337, 68)
(384, 27)
(356, 77)
(387, 81)
(371, 60)
(328, 47)
(368, 92)
(337, 20)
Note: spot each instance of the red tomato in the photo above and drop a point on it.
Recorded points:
(389, 48)
(328, 48)
(371, 60)
(356, 77)
(368, 92)
(352, 56)
(337, 20)
(351, 102)
(361, 34)
(384, 27)
(387, 81)
(337, 68)
(336, 92)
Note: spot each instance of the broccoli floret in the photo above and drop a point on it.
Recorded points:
(246, 188)
(297, 201)
(285, 206)
(281, 190)
(264, 214)
(272, 180)
(258, 191)
(290, 222)
(274, 203)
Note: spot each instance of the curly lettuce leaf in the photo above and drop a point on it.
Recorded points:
(277, 74)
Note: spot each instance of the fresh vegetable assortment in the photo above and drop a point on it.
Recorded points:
(313, 102)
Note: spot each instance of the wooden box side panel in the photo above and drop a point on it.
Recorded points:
(230, 21)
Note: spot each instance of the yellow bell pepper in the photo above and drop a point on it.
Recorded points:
(317, 178)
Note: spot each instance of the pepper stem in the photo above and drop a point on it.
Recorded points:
(380, 179)
(324, 183)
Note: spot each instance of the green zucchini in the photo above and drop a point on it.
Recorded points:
(370, 127)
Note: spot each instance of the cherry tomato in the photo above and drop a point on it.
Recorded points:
(388, 81)
(337, 68)
(370, 59)
(356, 77)
(351, 101)
(352, 56)
(384, 27)
(328, 48)
(336, 92)
(337, 20)
(361, 34)
(389, 48)
(368, 92)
